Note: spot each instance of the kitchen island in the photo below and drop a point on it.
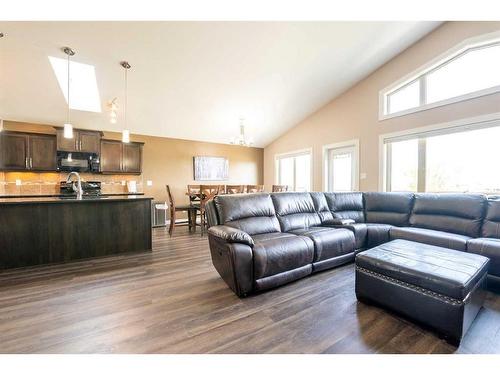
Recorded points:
(36, 231)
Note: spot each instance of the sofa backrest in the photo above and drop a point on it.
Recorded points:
(491, 222)
(388, 208)
(252, 213)
(449, 212)
(346, 206)
(321, 207)
(295, 211)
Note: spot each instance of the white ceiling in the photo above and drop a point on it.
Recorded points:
(194, 80)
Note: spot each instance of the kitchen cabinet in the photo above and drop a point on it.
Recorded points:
(42, 150)
(27, 152)
(119, 157)
(82, 141)
(132, 157)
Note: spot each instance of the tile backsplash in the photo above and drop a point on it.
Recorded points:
(47, 183)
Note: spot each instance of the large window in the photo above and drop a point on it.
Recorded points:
(462, 159)
(294, 170)
(469, 70)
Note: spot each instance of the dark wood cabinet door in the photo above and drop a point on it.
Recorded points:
(89, 141)
(111, 157)
(42, 153)
(13, 151)
(67, 144)
(132, 157)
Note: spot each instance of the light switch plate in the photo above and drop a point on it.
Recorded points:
(362, 176)
(149, 183)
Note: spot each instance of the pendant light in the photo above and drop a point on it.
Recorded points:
(68, 128)
(125, 132)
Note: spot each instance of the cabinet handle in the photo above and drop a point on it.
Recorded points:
(26, 163)
(31, 163)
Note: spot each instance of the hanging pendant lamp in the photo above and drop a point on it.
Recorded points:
(68, 128)
(125, 132)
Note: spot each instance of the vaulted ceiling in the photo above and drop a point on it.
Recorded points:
(194, 80)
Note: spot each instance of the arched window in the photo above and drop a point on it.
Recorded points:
(469, 70)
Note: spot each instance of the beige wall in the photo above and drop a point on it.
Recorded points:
(354, 114)
(165, 161)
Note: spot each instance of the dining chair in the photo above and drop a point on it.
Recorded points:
(194, 194)
(280, 188)
(207, 192)
(255, 188)
(235, 189)
(172, 208)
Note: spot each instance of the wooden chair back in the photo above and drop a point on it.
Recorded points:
(255, 188)
(207, 190)
(171, 201)
(280, 188)
(194, 189)
(235, 189)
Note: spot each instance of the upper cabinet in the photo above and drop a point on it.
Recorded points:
(82, 141)
(27, 152)
(119, 157)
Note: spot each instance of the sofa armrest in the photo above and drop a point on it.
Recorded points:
(231, 235)
(233, 261)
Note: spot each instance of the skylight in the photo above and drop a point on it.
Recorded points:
(84, 91)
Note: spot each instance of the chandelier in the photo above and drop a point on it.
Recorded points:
(242, 140)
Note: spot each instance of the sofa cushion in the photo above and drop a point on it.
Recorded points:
(491, 223)
(359, 230)
(271, 236)
(488, 247)
(455, 213)
(377, 234)
(346, 206)
(388, 208)
(328, 242)
(448, 272)
(295, 211)
(272, 256)
(251, 213)
(431, 237)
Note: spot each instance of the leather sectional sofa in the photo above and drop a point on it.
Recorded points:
(260, 241)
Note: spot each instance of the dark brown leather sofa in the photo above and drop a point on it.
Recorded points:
(261, 241)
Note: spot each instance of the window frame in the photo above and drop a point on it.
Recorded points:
(301, 152)
(420, 74)
(472, 123)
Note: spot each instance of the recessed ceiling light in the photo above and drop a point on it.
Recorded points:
(84, 91)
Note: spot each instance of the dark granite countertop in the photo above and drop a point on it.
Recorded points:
(72, 199)
(61, 195)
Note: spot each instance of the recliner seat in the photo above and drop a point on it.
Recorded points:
(488, 243)
(297, 214)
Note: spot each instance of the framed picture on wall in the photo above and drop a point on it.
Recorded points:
(211, 168)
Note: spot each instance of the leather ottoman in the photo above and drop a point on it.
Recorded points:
(440, 288)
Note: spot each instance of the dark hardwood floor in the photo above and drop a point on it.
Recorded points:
(173, 301)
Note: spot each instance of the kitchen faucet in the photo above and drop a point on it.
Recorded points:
(78, 188)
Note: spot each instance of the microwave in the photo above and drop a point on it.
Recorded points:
(77, 162)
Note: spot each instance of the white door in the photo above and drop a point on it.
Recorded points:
(342, 171)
